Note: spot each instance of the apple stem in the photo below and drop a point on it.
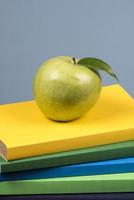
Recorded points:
(74, 60)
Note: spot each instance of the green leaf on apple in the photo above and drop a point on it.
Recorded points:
(97, 64)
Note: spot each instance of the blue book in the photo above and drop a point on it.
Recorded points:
(124, 165)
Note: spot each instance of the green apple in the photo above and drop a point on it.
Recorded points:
(66, 88)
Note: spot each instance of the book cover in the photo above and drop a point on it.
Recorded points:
(90, 154)
(100, 196)
(25, 131)
(125, 165)
(123, 182)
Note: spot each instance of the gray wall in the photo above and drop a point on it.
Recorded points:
(34, 30)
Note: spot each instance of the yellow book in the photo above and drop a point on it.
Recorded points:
(25, 131)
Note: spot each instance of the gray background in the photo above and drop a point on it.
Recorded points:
(34, 30)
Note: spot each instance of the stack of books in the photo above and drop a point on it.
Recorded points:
(88, 158)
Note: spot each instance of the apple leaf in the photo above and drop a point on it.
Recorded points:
(97, 64)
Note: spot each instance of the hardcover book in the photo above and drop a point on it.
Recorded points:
(99, 196)
(123, 182)
(124, 165)
(90, 154)
(25, 131)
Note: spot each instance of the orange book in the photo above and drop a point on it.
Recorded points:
(25, 131)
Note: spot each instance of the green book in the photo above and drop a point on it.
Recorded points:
(99, 153)
(80, 184)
